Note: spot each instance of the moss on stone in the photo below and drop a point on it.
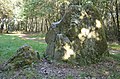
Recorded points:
(85, 32)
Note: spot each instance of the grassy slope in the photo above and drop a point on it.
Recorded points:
(9, 45)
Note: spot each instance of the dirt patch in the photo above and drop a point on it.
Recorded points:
(28, 37)
(52, 70)
(112, 51)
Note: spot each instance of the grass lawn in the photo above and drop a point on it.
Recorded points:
(10, 44)
(116, 55)
(37, 36)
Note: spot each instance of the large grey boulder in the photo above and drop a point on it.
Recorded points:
(25, 56)
(79, 38)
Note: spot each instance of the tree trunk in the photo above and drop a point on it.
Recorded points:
(117, 19)
(36, 24)
(31, 25)
(79, 38)
(26, 25)
(42, 20)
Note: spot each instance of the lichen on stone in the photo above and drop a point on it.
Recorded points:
(83, 28)
(25, 55)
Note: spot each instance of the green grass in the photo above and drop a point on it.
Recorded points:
(115, 46)
(115, 56)
(10, 44)
(37, 36)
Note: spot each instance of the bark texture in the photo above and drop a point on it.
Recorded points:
(79, 38)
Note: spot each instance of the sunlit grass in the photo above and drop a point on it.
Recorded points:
(37, 36)
(115, 46)
(10, 44)
(116, 55)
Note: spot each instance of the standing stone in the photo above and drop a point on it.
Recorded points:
(24, 56)
(79, 38)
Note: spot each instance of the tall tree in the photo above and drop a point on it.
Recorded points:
(117, 21)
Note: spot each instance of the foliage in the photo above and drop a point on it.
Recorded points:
(39, 14)
(5, 8)
(32, 8)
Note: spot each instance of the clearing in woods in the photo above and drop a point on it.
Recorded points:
(48, 69)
